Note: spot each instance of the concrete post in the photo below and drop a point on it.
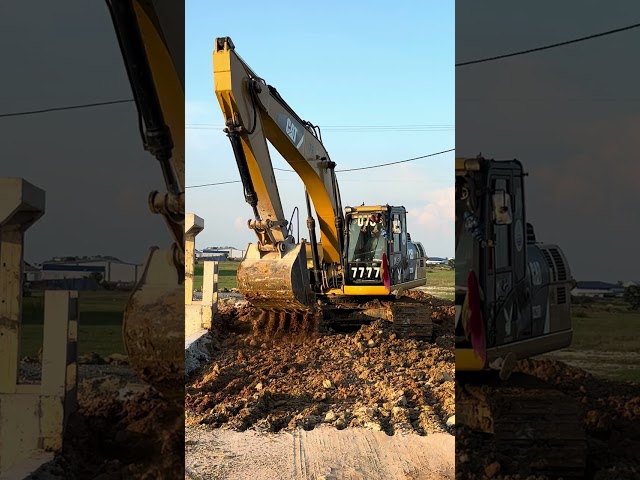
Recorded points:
(198, 314)
(209, 293)
(32, 416)
(21, 204)
(193, 225)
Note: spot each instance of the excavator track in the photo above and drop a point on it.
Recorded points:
(534, 427)
(411, 319)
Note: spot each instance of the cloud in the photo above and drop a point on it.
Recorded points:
(438, 211)
(240, 224)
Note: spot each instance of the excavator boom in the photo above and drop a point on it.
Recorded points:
(274, 274)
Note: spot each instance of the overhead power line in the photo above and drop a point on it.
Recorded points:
(352, 129)
(547, 47)
(211, 184)
(337, 127)
(66, 107)
(395, 163)
(345, 170)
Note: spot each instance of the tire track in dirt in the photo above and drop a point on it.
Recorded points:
(320, 454)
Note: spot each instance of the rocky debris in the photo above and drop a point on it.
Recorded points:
(121, 430)
(368, 378)
(91, 358)
(611, 419)
(117, 359)
(196, 353)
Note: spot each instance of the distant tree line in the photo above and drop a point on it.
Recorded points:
(632, 296)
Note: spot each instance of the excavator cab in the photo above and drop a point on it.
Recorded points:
(380, 256)
(368, 245)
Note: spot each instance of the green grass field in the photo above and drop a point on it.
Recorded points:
(226, 275)
(441, 282)
(100, 328)
(606, 340)
(607, 332)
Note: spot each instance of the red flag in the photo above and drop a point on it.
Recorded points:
(385, 272)
(472, 317)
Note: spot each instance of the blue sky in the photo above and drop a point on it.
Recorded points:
(361, 64)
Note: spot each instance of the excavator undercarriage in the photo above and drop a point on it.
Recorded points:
(536, 429)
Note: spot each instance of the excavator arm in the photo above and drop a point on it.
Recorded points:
(254, 113)
(152, 45)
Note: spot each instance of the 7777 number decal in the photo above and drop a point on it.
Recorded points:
(365, 272)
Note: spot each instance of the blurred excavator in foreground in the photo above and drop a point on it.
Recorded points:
(364, 254)
(513, 302)
(151, 38)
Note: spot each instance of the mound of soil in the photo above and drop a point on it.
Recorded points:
(611, 417)
(120, 432)
(368, 378)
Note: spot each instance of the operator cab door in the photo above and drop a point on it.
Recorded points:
(501, 325)
(509, 260)
(398, 250)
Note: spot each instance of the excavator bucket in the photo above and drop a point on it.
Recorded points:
(276, 281)
(154, 325)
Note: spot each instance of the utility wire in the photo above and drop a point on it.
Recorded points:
(547, 47)
(345, 170)
(415, 125)
(67, 107)
(210, 184)
(395, 163)
(461, 64)
(354, 128)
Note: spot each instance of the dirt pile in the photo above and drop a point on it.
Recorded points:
(611, 418)
(120, 431)
(366, 378)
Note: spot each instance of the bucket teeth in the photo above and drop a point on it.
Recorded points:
(275, 324)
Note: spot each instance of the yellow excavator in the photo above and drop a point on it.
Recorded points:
(151, 38)
(513, 301)
(364, 253)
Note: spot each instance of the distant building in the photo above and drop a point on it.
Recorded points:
(111, 269)
(219, 254)
(31, 273)
(437, 261)
(597, 289)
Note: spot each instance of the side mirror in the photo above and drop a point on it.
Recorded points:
(502, 208)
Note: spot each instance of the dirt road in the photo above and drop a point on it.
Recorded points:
(611, 365)
(323, 453)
